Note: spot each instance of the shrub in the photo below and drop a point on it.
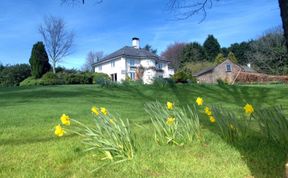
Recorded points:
(221, 82)
(100, 78)
(163, 82)
(183, 77)
(14, 74)
(51, 79)
(31, 81)
(174, 125)
(110, 136)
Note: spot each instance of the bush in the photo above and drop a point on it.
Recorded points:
(51, 79)
(221, 82)
(163, 82)
(14, 74)
(184, 76)
(100, 78)
(31, 81)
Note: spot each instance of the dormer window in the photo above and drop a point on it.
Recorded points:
(228, 68)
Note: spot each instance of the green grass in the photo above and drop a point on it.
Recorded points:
(28, 147)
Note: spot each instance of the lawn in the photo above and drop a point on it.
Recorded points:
(29, 148)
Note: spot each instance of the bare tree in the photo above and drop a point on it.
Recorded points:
(57, 39)
(173, 53)
(91, 58)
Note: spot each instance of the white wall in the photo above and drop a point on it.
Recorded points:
(119, 68)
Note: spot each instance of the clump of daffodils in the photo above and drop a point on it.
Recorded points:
(110, 135)
(173, 125)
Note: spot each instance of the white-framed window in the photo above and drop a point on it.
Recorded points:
(160, 65)
(112, 63)
(131, 62)
(132, 75)
(228, 68)
(100, 68)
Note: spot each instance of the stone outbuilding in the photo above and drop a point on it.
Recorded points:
(227, 71)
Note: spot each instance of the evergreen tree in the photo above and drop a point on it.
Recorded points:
(240, 51)
(219, 58)
(232, 57)
(39, 60)
(212, 47)
(193, 52)
(150, 49)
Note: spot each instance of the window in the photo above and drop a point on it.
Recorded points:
(114, 77)
(112, 63)
(160, 66)
(228, 68)
(132, 75)
(131, 62)
(100, 68)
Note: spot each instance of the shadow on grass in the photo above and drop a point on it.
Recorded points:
(264, 158)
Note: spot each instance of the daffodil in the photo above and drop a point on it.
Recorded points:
(169, 105)
(59, 131)
(170, 121)
(65, 119)
(199, 101)
(208, 111)
(212, 119)
(104, 111)
(108, 155)
(248, 108)
(94, 110)
(112, 121)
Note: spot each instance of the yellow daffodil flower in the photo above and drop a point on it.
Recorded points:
(112, 121)
(94, 110)
(59, 131)
(199, 101)
(212, 119)
(65, 119)
(108, 155)
(170, 121)
(104, 111)
(169, 105)
(208, 111)
(248, 109)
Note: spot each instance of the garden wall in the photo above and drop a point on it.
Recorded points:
(246, 77)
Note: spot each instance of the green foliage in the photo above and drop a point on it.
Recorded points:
(150, 49)
(101, 78)
(232, 57)
(31, 81)
(175, 126)
(39, 60)
(163, 82)
(228, 124)
(212, 47)
(110, 136)
(183, 76)
(225, 51)
(51, 79)
(221, 82)
(198, 66)
(219, 58)
(14, 74)
(193, 52)
(240, 51)
(273, 124)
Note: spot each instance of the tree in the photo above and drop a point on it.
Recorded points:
(39, 60)
(193, 52)
(232, 57)
(224, 51)
(57, 39)
(219, 58)
(12, 75)
(283, 4)
(240, 51)
(268, 53)
(149, 48)
(212, 47)
(173, 53)
(91, 58)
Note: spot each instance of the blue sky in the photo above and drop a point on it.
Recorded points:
(111, 25)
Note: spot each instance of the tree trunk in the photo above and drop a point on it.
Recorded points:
(54, 67)
(283, 4)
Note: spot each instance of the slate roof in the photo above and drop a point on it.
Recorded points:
(132, 52)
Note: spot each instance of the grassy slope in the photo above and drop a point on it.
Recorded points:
(28, 147)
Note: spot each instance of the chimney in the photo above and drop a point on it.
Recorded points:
(136, 43)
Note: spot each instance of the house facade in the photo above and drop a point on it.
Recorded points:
(134, 63)
(226, 71)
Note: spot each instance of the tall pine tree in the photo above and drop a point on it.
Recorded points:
(39, 60)
(212, 47)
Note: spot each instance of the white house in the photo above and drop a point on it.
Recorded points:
(135, 63)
